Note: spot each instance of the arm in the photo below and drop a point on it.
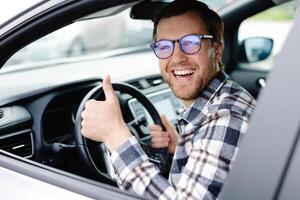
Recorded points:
(214, 148)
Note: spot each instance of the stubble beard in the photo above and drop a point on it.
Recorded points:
(190, 92)
(186, 93)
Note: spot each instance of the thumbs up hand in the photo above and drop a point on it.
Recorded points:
(102, 121)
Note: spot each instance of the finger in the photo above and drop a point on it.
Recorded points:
(83, 115)
(154, 127)
(166, 122)
(108, 89)
(160, 140)
(159, 134)
(82, 123)
(89, 103)
(82, 129)
(160, 145)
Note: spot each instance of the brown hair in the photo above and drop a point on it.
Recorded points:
(214, 23)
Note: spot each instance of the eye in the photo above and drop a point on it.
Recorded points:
(187, 43)
(161, 46)
(164, 47)
(190, 43)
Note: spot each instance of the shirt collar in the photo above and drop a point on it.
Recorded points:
(205, 96)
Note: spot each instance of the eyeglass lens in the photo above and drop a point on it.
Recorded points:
(189, 44)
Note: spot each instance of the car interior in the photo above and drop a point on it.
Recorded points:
(42, 98)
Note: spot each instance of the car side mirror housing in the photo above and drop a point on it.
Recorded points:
(255, 49)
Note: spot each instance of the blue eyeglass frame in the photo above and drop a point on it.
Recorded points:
(200, 36)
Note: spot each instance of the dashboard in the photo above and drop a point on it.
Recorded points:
(164, 101)
(42, 127)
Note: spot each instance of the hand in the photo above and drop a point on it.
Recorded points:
(102, 121)
(164, 139)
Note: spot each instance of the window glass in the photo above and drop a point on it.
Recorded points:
(273, 23)
(94, 37)
(220, 4)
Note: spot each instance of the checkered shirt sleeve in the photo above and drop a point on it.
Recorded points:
(207, 165)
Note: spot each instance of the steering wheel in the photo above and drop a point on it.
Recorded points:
(95, 154)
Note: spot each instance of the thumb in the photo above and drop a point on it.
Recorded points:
(166, 122)
(108, 89)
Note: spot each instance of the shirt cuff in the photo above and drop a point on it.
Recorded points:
(128, 156)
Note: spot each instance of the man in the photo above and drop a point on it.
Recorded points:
(188, 43)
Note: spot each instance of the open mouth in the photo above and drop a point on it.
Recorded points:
(181, 74)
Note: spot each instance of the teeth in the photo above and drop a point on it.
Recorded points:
(183, 72)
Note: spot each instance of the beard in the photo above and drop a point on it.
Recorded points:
(191, 91)
(193, 86)
(187, 93)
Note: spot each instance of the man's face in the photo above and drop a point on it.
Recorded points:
(186, 74)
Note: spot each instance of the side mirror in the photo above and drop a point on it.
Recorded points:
(255, 49)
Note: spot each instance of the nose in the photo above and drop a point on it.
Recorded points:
(178, 55)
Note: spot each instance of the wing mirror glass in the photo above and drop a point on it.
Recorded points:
(255, 49)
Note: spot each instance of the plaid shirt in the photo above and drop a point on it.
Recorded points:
(209, 133)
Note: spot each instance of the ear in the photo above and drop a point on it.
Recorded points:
(219, 47)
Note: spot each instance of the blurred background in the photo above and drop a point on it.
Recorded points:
(94, 36)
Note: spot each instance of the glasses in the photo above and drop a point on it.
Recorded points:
(189, 44)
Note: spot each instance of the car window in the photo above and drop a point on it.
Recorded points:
(102, 36)
(273, 23)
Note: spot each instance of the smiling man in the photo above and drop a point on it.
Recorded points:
(189, 46)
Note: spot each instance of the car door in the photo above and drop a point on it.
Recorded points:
(23, 178)
(268, 163)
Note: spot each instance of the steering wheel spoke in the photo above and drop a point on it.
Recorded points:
(138, 121)
(139, 127)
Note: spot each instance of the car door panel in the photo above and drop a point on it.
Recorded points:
(252, 81)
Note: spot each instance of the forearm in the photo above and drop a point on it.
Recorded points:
(201, 177)
(117, 138)
(137, 174)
